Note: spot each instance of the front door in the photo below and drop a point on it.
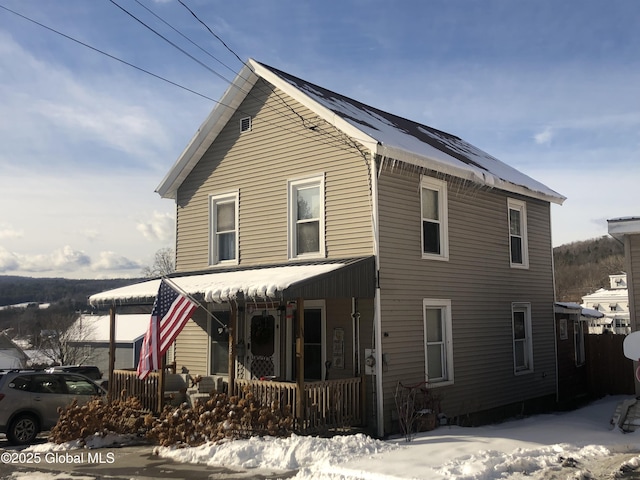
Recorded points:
(263, 344)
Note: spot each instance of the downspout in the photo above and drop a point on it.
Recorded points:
(377, 317)
(555, 326)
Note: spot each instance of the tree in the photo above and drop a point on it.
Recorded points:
(163, 264)
(63, 340)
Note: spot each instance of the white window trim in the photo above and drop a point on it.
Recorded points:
(513, 204)
(445, 305)
(292, 205)
(213, 244)
(579, 346)
(526, 308)
(443, 212)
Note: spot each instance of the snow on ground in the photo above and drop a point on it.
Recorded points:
(572, 445)
(511, 449)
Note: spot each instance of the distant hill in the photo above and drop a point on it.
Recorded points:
(584, 267)
(580, 268)
(15, 289)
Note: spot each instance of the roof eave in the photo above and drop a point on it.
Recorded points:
(207, 132)
(619, 227)
(470, 173)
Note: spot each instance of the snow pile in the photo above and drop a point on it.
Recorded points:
(279, 454)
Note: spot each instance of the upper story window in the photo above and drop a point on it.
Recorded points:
(518, 243)
(306, 217)
(522, 341)
(224, 228)
(438, 344)
(435, 235)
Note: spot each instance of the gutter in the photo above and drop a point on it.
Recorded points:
(377, 316)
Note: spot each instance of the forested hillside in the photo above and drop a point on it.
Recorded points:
(14, 290)
(583, 267)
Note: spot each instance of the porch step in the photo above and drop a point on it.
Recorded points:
(627, 415)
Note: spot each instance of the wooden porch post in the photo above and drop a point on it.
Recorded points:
(300, 399)
(161, 377)
(233, 325)
(112, 351)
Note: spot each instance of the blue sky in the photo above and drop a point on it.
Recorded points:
(552, 88)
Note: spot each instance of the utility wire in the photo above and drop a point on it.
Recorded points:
(107, 54)
(171, 43)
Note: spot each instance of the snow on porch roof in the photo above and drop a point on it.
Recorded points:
(266, 283)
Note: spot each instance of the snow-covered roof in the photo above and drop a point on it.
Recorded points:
(224, 286)
(96, 328)
(605, 295)
(619, 227)
(385, 134)
(572, 307)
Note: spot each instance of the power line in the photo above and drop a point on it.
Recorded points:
(170, 42)
(107, 54)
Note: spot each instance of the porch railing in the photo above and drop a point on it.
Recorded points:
(127, 384)
(328, 404)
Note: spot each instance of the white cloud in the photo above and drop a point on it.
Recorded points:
(7, 231)
(545, 136)
(8, 261)
(160, 227)
(114, 261)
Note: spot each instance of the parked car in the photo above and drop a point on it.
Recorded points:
(89, 371)
(29, 400)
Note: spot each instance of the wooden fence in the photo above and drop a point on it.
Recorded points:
(609, 372)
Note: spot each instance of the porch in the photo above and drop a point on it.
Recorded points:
(323, 405)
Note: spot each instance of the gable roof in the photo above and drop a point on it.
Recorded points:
(384, 134)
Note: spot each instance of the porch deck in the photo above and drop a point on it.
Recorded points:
(323, 405)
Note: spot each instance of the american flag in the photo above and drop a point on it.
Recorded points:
(171, 311)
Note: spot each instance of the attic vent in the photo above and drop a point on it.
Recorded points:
(245, 124)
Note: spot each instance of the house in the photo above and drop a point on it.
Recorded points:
(613, 303)
(345, 252)
(91, 338)
(11, 355)
(573, 324)
(627, 230)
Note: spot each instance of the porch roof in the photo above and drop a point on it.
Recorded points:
(345, 278)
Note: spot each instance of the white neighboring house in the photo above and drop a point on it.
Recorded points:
(613, 303)
(11, 355)
(130, 331)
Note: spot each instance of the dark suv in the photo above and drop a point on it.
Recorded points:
(29, 400)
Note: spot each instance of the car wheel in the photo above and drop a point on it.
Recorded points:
(23, 429)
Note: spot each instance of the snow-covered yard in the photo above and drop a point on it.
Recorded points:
(577, 444)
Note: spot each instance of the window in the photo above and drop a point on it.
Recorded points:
(435, 237)
(438, 343)
(522, 345)
(224, 229)
(518, 243)
(306, 218)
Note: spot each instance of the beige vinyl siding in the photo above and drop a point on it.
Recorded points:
(481, 285)
(258, 164)
(191, 349)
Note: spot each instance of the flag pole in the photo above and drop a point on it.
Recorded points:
(190, 297)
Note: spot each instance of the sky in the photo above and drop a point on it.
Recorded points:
(551, 88)
(576, 445)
